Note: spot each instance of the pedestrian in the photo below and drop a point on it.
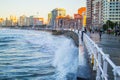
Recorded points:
(100, 33)
(85, 30)
(90, 30)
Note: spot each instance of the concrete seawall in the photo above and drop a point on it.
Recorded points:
(68, 34)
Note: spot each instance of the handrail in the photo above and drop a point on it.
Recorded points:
(102, 53)
(100, 60)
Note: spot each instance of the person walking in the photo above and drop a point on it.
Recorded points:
(100, 33)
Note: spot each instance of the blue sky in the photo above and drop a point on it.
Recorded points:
(43, 7)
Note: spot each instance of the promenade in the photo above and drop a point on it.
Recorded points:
(110, 44)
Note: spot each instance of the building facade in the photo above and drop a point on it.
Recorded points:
(99, 11)
(49, 18)
(55, 13)
(22, 20)
(89, 13)
(82, 12)
(96, 15)
(111, 11)
(13, 20)
(1, 21)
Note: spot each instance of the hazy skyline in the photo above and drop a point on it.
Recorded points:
(43, 7)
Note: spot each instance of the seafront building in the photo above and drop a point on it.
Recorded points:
(1, 21)
(49, 18)
(89, 13)
(99, 11)
(55, 13)
(111, 11)
(68, 22)
(22, 20)
(13, 20)
(82, 12)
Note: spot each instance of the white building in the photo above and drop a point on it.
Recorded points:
(99, 11)
(111, 11)
(22, 21)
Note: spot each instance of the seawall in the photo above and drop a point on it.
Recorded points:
(68, 34)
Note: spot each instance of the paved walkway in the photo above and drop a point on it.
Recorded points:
(95, 37)
(110, 44)
(84, 68)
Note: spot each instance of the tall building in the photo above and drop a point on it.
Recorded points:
(96, 15)
(22, 20)
(49, 18)
(8, 22)
(13, 20)
(27, 21)
(55, 13)
(31, 20)
(99, 11)
(1, 21)
(89, 12)
(111, 11)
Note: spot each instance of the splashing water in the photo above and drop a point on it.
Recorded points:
(66, 61)
(36, 55)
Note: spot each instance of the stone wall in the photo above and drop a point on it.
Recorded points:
(68, 34)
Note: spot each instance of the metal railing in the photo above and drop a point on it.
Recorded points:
(100, 60)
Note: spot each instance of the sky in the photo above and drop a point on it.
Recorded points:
(38, 7)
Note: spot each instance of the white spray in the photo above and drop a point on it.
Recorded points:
(66, 60)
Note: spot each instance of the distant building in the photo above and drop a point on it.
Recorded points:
(1, 21)
(31, 18)
(8, 22)
(27, 21)
(55, 13)
(13, 20)
(22, 20)
(49, 17)
(68, 22)
(78, 21)
(38, 21)
(30, 21)
(82, 12)
(63, 22)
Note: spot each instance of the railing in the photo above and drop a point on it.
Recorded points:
(100, 60)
